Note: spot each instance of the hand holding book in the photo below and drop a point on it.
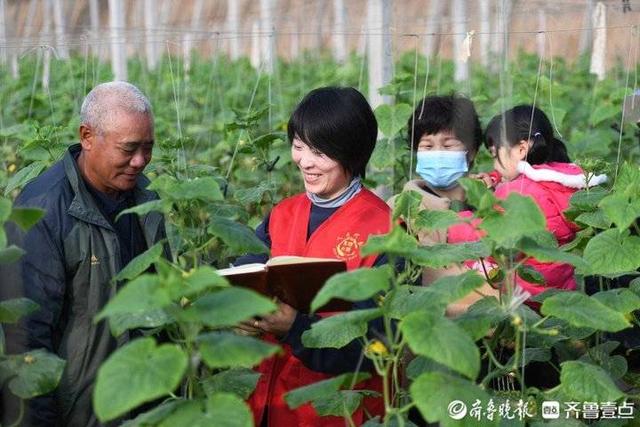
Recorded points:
(278, 323)
(294, 281)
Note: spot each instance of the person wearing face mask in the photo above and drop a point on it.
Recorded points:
(445, 135)
(534, 163)
(333, 132)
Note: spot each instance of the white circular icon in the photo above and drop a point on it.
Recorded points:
(457, 409)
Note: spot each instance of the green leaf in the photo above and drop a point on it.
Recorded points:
(205, 189)
(383, 156)
(531, 354)
(119, 323)
(621, 300)
(587, 200)
(136, 373)
(583, 311)
(240, 381)
(435, 297)
(32, 374)
(263, 141)
(450, 289)
(238, 237)
(478, 195)
(227, 410)
(549, 254)
(339, 404)
(407, 299)
(623, 210)
(185, 413)
(530, 274)
(220, 410)
(201, 279)
(600, 355)
(483, 315)
(141, 295)
(628, 179)
(395, 243)
(254, 194)
(11, 254)
(5, 210)
(588, 383)
(339, 330)
(12, 310)
(419, 365)
(227, 349)
(145, 208)
(141, 263)
(429, 220)
(356, 285)
(603, 112)
(438, 338)
(227, 307)
(24, 175)
(26, 217)
(521, 218)
(634, 285)
(322, 389)
(595, 219)
(156, 415)
(612, 252)
(566, 329)
(435, 392)
(444, 255)
(392, 118)
(406, 204)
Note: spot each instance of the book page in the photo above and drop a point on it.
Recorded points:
(242, 269)
(287, 260)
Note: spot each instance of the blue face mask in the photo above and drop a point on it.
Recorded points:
(442, 169)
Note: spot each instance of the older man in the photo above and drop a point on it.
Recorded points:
(74, 252)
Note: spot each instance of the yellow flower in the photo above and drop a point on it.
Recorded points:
(29, 359)
(12, 167)
(516, 320)
(377, 347)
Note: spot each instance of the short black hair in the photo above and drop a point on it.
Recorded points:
(448, 113)
(526, 123)
(338, 122)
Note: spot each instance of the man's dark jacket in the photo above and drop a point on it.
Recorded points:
(71, 257)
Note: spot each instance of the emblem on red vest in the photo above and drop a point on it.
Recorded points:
(348, 247)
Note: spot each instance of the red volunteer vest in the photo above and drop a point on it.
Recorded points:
(341, 237)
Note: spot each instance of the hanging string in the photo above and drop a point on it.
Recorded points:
(413, 106)
(626, 85)
(35, 81)
(175, 91)
(253, 96)
(553, 112)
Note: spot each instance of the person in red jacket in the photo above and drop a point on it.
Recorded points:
(333, 132)
(533, 162)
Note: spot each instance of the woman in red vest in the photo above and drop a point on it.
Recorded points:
(333, 132)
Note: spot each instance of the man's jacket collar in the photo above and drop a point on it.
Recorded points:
(83, 206)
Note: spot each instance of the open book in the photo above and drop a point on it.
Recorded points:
(293, 280)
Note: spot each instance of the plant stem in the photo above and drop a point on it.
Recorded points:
(492, 356)
(20, 415)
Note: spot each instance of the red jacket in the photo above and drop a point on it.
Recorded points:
(551, 192)
(340, 236)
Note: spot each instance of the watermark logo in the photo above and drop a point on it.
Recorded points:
(457, 409)
(550, 409)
